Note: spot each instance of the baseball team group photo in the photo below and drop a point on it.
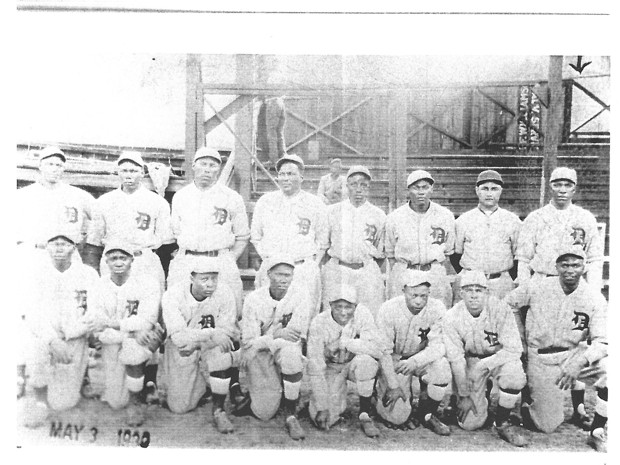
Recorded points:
(322, 252)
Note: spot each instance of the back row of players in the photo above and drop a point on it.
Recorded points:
(314, 257)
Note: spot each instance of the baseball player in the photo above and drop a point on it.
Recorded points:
(274, 326)
(209, 220)
(48, 205)
(126, 306)
(60, 321)
(353, 242)
(200, 316)
(558, 224)
(333, 186)
(132, 214)
(565, 314)
(482, 342)
(486, 237)
(420, 235)
(411, 326)
(343, 345)
(289, 221)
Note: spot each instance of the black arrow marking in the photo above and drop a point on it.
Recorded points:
(579, 67)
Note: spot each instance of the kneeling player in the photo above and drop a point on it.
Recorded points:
(58, 318)
(274, 324)
(482, 342)
(127, 309)
(411, 326)
(343, 344)
(200, 316)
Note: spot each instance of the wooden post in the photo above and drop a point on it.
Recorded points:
(194, 112)
(397, 151)
(553, 125)
(246, 73)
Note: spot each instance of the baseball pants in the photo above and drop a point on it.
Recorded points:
(307, 275)
(498, 287)
(440, 284)
(148, 263)
(437, 375)
(367, 280)
(187, 377)
(180, 269)
(509, 376)
(63, 381)
(362, 370)
(547, 408)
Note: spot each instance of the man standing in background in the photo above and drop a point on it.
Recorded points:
(333, 186)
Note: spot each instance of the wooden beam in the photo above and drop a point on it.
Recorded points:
(194, 112)
(442, 131)
(495, 101)
(591, 95)
(553, 125)
(229, 110)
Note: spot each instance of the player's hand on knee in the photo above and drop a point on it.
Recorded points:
(392, 395)
(570, 372)
(406, 367)
(180, 339)
(60, 351)
(288, 334)
(466, 405)
(222, 340)
(322, 419)
(189, 349)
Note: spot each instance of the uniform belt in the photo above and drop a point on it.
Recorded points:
(491, 275)
(303, 260)
(552, 350)
(417, 266)
(137, 253)
(208, 253)
(478, 355)
(353, 266)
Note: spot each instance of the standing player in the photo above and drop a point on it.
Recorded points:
(353, 241)
(209, 220)
(482, 342)
(289, 221)
(201, 320)
(60, 322)
(555, 226)
(566, 340)
(343, 345)
(134, 215)
(333, 186)
(486, 237)
(48, 205)
(274, 326)
(411, 326)
(127, 309)
(419, 236)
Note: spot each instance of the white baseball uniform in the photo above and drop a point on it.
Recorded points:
(557, 327)
(292, 226)
(208, 223)
(141, 220)
(187, 318)
(548, 230)
(488, 243)
(56, 305)
(337, 354)
(353, 239)
(136, 305)
(408, 336)
(420, 241)
(482, 347)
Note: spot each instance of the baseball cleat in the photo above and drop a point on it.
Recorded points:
(368, 426)
(581, 421)
(597, 442)
(436, 426)
(135, 414)
(295, 431)
(151, 393)
(87, 391)
(222, 423)
(512, 434)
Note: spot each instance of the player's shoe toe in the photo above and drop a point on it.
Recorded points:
(436, 426)
(581, 421)
(512, 434)
(368, 426)
(222, 423)
(135, 415)
(597, 442)
(295, 430)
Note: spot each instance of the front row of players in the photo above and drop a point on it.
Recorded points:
(412, 347)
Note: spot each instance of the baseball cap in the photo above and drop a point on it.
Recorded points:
(55, 233)
(490, 176)
(206, 265)
(474, 278)
(131, 156)
(417, 175)
(52, 151)
(415, 278)
(290, 158)
(118, 245)
(281, 259)
(574, 250)
(564, 173)
(344, 292)
(335, 160)
(208, 152)
(358, 169)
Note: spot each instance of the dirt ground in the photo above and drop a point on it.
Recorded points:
(195, 430)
